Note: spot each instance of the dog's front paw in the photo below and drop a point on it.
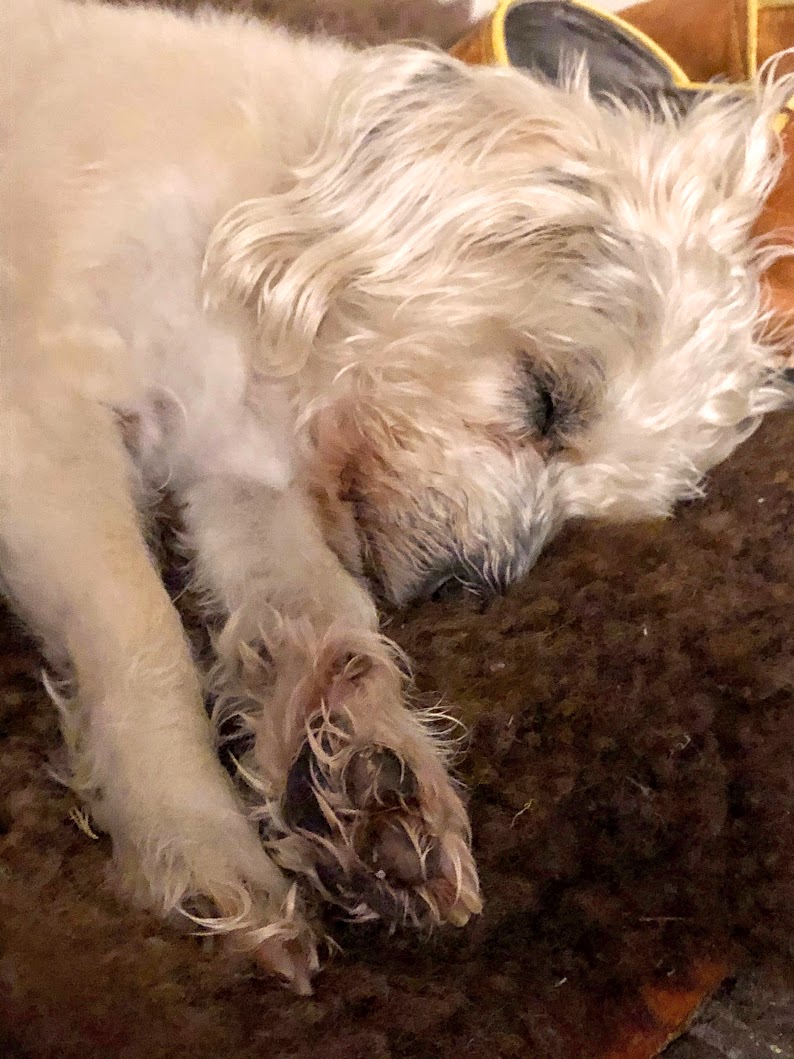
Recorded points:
(373, 819)
(268, 927)
(208, 873)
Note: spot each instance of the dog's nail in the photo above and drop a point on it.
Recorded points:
(457, 900)
(294, 960)
(460, 914)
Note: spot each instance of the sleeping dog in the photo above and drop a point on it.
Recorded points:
(378, 323)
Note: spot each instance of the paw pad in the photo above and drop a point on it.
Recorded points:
(373, 848)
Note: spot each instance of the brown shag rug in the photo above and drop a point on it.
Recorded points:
(632, 796)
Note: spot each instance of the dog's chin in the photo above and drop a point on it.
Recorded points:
(362, 550)
(395, 582)
(355, 546)
(377, 574)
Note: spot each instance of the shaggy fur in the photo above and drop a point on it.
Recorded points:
(379, 323)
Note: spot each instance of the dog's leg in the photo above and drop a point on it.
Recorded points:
(350, 784)
(74, 560)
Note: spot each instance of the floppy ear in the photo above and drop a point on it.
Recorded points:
(289, 256)
(396, 192)
(732, 137)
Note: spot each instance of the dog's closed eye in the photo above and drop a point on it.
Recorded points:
(545, 410)
(553, 406)
(540, 400)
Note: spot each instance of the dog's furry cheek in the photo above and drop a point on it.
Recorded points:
(337, 519)
(329, 446)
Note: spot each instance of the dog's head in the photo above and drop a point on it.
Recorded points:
(505, 305)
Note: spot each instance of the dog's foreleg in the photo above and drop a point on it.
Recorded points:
(75, 562)
(354, 781)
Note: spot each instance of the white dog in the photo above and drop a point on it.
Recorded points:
(377, 321)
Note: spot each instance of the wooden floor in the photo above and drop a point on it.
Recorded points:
(748, 1019)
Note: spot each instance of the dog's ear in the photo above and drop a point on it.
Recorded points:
(423, 166)
(735, 155)
(288, 256)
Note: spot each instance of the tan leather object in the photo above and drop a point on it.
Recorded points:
(733, 39)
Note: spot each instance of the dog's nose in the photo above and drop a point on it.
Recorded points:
(449, 589)
(452, 582)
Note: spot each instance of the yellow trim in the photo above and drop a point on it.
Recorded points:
(718, 86)
(752, 37)
(784, 117)
(498, 43)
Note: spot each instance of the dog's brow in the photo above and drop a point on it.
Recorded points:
(562, 178)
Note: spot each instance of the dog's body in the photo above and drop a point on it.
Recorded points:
(369, 318)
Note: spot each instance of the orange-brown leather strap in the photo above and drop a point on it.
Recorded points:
(703, 36)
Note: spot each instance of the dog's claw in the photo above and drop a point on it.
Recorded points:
(292, 959)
